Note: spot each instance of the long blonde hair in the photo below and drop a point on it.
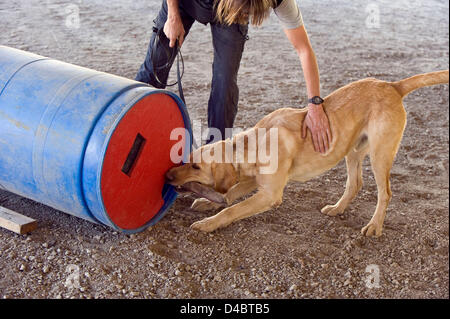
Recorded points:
(243, 11)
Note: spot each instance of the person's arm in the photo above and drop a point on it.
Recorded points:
(316, 119)
(174, 29)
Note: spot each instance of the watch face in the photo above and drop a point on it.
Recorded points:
(317, 100)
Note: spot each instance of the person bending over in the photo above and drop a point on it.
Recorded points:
(229, 20)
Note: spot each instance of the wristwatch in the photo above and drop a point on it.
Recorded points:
(317, 100)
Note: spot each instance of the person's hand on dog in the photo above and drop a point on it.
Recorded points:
(174, 29)
(317, 122)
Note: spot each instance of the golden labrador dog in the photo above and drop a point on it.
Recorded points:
(366, 117)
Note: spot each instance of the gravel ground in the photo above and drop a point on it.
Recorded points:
(289, 252)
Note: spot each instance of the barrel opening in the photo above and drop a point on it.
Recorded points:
(133, 155)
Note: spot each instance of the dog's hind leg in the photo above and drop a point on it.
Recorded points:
(354, 160)
(384, 139)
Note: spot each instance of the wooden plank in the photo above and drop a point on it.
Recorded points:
(16, 222)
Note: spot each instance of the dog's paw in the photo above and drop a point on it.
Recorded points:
(203, 204)
(206, 225)
(332, 210)
(372, 230)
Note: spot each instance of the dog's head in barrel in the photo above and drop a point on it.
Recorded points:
(207, 172)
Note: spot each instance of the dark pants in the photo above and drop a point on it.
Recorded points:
(228, 42)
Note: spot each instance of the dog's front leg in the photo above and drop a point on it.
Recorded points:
(237, 191)
(242, 188)
(269, 195)
(204, 204)
(258, 203)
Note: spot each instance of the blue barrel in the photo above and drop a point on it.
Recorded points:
(87, 143)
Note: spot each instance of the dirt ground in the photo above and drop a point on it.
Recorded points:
(290, 252)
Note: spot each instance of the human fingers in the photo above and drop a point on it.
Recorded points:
(173, 40)
(316, 144)
(321, 143)
(181, 40)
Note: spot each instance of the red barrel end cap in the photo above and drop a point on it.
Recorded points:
(136, 160)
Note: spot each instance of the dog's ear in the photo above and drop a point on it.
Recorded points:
(224, 176)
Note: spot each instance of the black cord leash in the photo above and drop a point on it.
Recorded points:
(170, 54)
(180, 75)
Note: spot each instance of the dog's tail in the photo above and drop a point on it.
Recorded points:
(406, 86)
